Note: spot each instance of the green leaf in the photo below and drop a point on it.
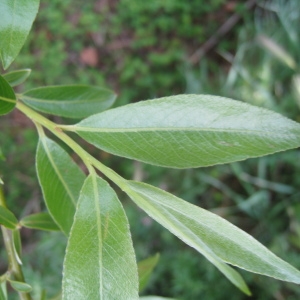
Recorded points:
(190, 131)
(202, 229)
(2, 296)
(61, 180)
(155, 298)
(17, 77)
(3, 291)
(20, 286)
(7, 218)
(41, 221)
(145, 268)
(7, 96)
(16, 20)
(72, 101)
(17, 243)
(100, 261)
(182, 230)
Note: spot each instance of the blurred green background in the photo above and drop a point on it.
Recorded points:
(144, 50)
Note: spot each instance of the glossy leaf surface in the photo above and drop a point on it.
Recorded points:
(61, 180)
(41, 221)
(15, 78)
(145, 268)
(100, 261)
(16, 20)
(7, 218)
(190, 131)
(7, 97)
(202, 229)
(72, 101)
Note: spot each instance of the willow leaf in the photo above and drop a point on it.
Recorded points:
(17, 77)
(209, 233)
(100, 261)
(70, 101)
(189, 131)
(16, 20)
(20, 286)
(7, 97)
(41, 221)
(61, 180)
(7, 218)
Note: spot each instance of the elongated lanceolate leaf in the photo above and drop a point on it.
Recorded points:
(100, 261)
(179, 228)
(17, 77)
(41, 221)
(16, 20)
(7, 218)
(61, 180)
(190, 131)
(7, 96)
(145, 268)
(72, 101)
(200, 228)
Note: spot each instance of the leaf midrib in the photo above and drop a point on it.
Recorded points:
(242, 246)
(208, 253)
(57, 172)
(157, 212)
(167, 129)
(57, 101)
(99, 232)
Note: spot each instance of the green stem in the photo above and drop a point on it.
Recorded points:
(84, 155)
(14, 266)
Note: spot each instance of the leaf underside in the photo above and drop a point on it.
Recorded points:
(100, 261)
(17, 77)
(209, 233)
(41, 221)
(61, 180)
(190, 131)
(16, 20)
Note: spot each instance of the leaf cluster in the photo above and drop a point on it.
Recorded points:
(183, 131)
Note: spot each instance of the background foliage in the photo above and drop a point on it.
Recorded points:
(139, 50)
